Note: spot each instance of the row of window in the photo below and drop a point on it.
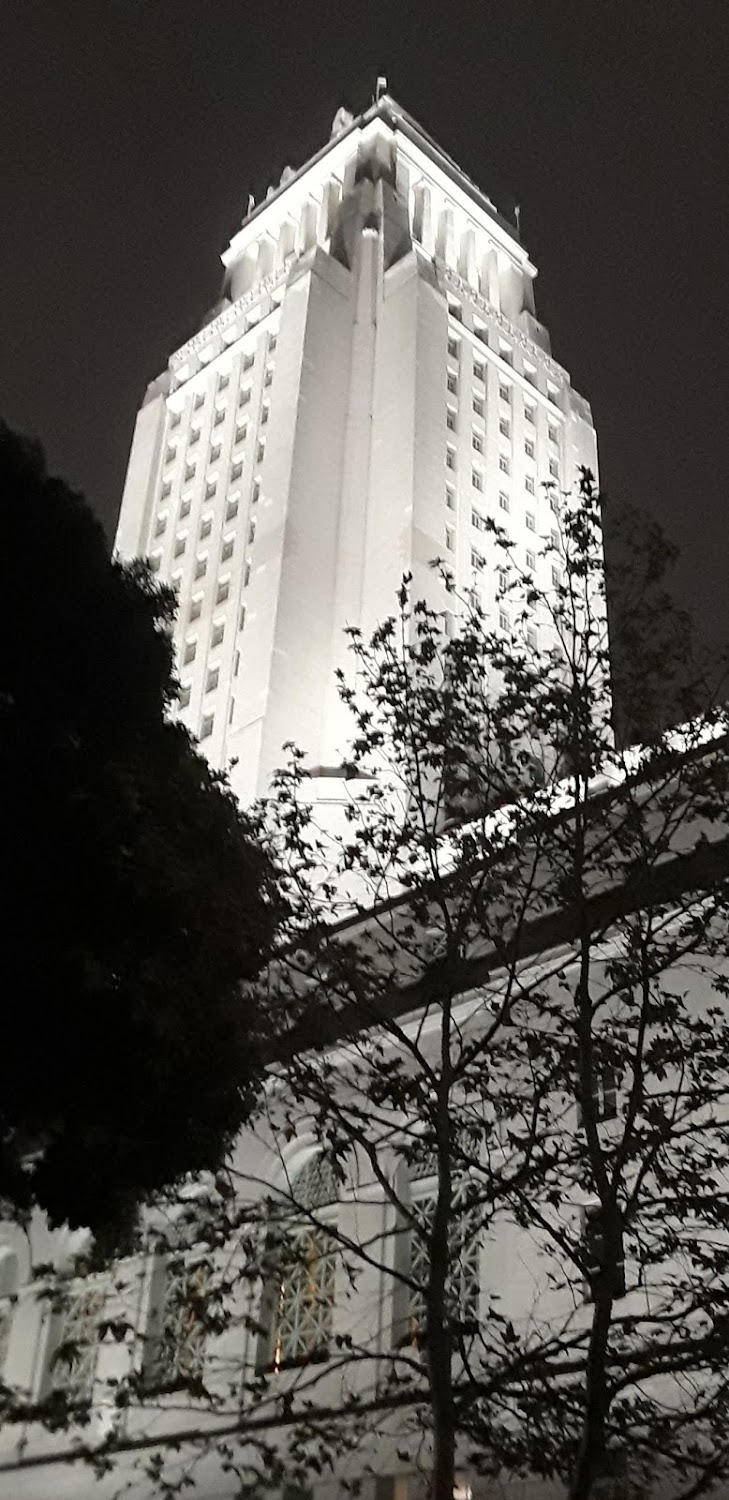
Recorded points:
(211, 485)
(504, 350)
(478, 404)
(477, 477)
(477, 443)
(298, 1300)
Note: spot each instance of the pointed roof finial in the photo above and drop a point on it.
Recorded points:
(380, 87)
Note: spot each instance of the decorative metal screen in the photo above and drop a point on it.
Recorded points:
(463, 1279)
(301, 1294)
(176, 1335)
(76, 1345)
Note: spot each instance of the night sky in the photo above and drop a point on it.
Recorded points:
(132, 132)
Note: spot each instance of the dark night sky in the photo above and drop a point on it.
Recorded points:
(132, 131)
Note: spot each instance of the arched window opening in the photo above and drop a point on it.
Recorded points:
(300, 1260)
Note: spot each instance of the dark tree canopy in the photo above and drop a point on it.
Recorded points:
(136, 897)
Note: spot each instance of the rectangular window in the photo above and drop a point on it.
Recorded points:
(199, 401)
(455, 310)
(206, 528)
(170, 454)
(503, 500)
(529, 448)
(244, 396)
(552, 392)
(450, 499)
(477, 479)
(531, 560)
(450, 459)
(201, 567)
(206, 727)
(195, 435)
(529, 485)
(593, 1240)
(231, 510)
(214, 453)
(175, 419)
(530, 372)
(241, 432)
(159, 528)
(180, 545)
(452, 384)
(185, 507)
(166, 490)
(260, 453)
(195, 608)
(155, 562)
(256, 492)
(272, 342)
(556, 578)
(450, 420)
(227, 551)
(189, 472)
(75, 1343)
(531, 524)
(477, 561)
(223, 591)
(211, 681)
(553, 434)
(530, 413)
(504, 427)
(453, 348)
(478, 406)
(503, 581)
(450, 539)
(217, 633)
(264, 414)
(507, 354)
(554, 468)
(236, 664)
(189, 653)
(477, 442)
(174, 1343)
(479, 369)
(183, 698)
(503, 620)
(248, 361)
(210, 489)
(223, 382)
(242, 619)
(503, 463)
(604, 1092)
(478, 521)
(505, 392)
(247, 576)
(237, 469)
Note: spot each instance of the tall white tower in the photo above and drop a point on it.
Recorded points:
(373, 386)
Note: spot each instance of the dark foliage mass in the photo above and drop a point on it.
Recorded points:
(136, 898)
